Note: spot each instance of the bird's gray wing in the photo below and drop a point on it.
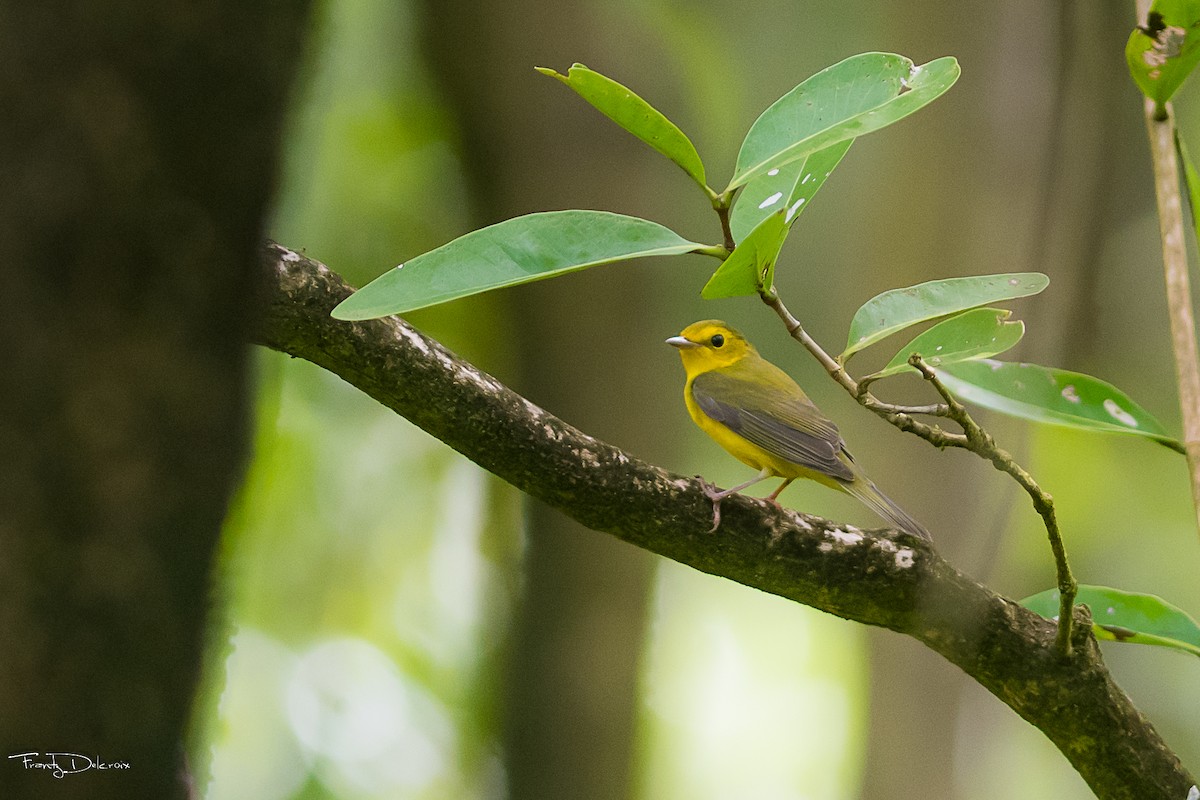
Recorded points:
(782, 422)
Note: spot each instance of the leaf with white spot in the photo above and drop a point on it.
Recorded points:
(1053, 396)
(979, 333)
(1162, 54)
(793, 184)
(897, 309)
(854, 97)
(1127, 617)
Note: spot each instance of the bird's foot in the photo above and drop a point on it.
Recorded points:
(716, 495)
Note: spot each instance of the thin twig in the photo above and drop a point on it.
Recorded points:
(898, 415)
(973, 438)
(983, 445)
(929, 410)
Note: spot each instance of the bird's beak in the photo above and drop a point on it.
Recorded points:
(681, 343)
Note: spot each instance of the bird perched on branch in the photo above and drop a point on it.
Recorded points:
(756, 412)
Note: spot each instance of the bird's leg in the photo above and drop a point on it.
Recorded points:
(717, 495)
(771, 498)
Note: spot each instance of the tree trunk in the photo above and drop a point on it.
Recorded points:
(139, 151)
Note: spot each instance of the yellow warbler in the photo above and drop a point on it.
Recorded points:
(756, 412)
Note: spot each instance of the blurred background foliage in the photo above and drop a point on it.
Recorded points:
(400, 624)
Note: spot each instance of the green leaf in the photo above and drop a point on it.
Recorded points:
(1164, 53)
(519, 250)
(857, 96)
(1127, 617)
(894, 310)
(752, 263)
(635, 115)
(784, 187)
(1053, 396)
(979, 333)
(1192, 178)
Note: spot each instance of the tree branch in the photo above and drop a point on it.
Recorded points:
(882, 578)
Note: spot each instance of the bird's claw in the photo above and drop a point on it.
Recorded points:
(716, 495)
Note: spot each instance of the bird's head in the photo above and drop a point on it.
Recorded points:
(710, 344)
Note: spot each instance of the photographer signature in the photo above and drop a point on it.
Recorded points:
(62, 764)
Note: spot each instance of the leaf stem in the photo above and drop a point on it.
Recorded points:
(1179, 304)
(718, 251)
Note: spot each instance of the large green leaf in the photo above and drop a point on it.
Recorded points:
(1127, 617)
(1162, 55)
(635, 115)
(861, 94)
(752, 263)
(519, 250)
(979, 333)
(791, 185)
(894, 310)
(1054, 396)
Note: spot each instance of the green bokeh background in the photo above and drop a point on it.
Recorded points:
(399, 624)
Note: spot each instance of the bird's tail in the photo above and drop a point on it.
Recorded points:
(869, 494)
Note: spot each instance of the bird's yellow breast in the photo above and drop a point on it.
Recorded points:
(746, 451)
(738, 447)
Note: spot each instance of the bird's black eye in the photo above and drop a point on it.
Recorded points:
(717, 340)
